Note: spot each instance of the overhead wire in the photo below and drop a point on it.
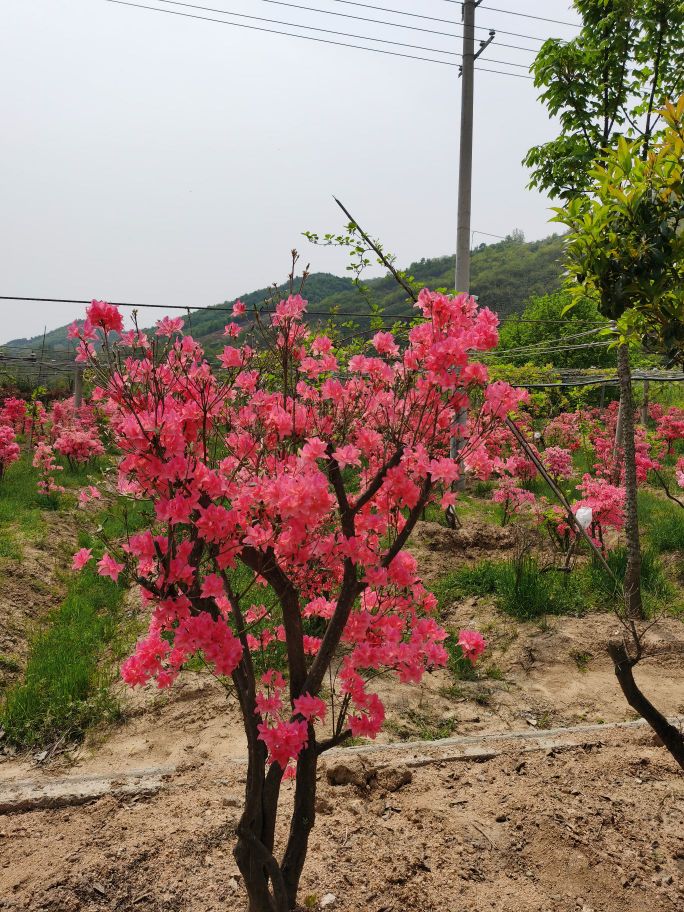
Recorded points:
(415, 28)
(218, 308)
(508, 12)
(301, 25)
(259, 28)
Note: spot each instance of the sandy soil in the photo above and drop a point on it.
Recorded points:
(595, 828)
(598, 828)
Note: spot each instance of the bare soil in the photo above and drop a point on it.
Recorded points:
(593, 828)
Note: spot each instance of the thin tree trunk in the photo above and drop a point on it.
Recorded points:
(671, 737)
(633, 602)
(302, 821)
(617, 445)
(263, 878)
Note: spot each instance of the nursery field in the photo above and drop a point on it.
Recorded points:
(175, 552)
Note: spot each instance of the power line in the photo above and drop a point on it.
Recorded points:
(495, 9)
(313, 28)
(257, 28)
(312, 9)
(396, 12)
(217, 308)
(210, 9)
(416, 28)
(495, 353)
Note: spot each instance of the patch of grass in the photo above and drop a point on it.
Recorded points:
(480, 579)
(654, 582)
(519, 587)
(10, 548)
(526, 593)
(65, 686)
(662, 521)
(65, 689)
(428, 728)
(581, 659)
(7, 663)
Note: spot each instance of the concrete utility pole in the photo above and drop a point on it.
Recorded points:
(465, 166)
(465, 181)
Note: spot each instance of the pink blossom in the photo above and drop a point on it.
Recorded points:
(558, 461)
(679, 472)
(310, 708)
(385, 344)
(347, 455)
(472, 643)
(104, 315)
(107, 566)
(9, 448)
(81, 558)
(168, 326)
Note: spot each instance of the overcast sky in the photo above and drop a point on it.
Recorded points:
(148, 157)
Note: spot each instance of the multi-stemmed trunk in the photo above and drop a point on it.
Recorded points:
(271, 885)
(633, 602)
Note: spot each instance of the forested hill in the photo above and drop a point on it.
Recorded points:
(503, 276)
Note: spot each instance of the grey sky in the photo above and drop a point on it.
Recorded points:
(154, 158)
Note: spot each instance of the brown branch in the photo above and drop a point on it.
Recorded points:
(377, 482)
(374, 247)
(671, 737)
(666, 489)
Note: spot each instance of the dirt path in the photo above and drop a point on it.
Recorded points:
(596, 827)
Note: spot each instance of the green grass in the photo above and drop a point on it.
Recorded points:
(65, 685)
(662, 522)
(522, 590)
(518, 585)
(72, 653)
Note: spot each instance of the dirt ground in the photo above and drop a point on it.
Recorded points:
(598, 827)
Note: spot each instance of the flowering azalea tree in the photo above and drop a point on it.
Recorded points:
(9, 448)
(44, 460)
(285, 486)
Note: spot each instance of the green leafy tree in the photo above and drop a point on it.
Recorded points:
(625, 249)
(607, 82)
(547, 334)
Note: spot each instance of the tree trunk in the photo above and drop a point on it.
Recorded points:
(618, 452)
(254, 857)
(633, 602)
(302, 821)
(671, 737)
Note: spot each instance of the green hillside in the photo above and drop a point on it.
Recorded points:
(503, 276)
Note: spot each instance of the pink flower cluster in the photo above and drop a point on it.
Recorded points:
(9, 448)
(558, 461)
(607, 505)
(44, 461)
(13, 412)
(679, 472)
(79, 446)
(310, 482)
